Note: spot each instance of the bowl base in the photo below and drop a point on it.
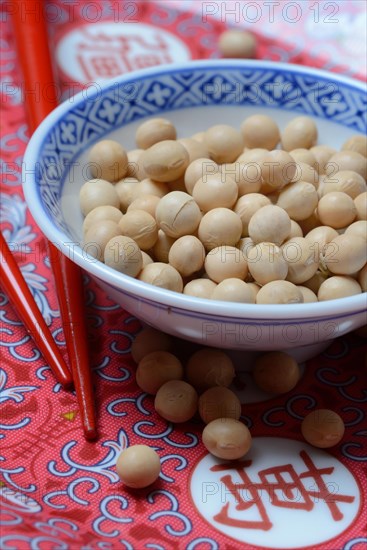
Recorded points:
(244, 386)
(243, 359)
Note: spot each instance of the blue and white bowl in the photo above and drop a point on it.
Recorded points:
(194, 96)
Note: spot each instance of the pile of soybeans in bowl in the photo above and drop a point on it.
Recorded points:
(253, 214)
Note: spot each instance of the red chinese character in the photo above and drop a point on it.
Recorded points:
(101, 55)
(105, 67)
(284, 487)
(331, 499)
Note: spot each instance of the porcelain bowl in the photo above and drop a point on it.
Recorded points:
(194, 95)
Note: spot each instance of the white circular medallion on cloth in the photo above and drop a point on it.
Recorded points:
(282, 494)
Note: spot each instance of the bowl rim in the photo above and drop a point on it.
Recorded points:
(331, 309)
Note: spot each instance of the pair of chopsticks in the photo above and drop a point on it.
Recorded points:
(33, 53)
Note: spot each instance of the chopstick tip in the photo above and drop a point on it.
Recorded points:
(90, 433)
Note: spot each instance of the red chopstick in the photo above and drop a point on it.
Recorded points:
(41, 98)
(21, 297)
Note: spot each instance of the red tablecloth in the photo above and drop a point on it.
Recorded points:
(60, 492)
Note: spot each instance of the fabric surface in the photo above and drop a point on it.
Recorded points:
(60, 492)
